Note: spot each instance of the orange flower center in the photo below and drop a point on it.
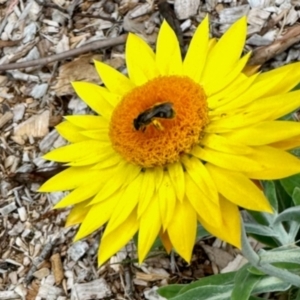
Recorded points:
(158, 122)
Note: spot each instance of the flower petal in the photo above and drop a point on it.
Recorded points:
(260, 88)
(182, 229)
(239, 189)
(165, 239)
(115, 81)
(91, 94)
(195, 58)
(147, 191)
(150, 225)
(212, 87)
(124, 173)
(265, 133)
(81, 193)
(195, 168)
(77, 214)
(235, 162)
(230, 229)
(94, 157)
(201, 203)
(168, 56)
(70, 132)
(113, 242)
(97, 216)
(127, 203)
(231, 43)
(69, 179)
(225, 144)
(88, 122)
(230, 92)
(140, 60)
(77, 151)
(287, 144)
(277, 163)
(177, 177)
(167, 200)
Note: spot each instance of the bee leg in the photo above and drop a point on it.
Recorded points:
(157, 125)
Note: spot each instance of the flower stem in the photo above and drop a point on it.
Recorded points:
(256, 261)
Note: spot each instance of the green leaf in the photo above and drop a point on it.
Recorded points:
(244, 284)
(290, 183)
(296, 196)
(281, 255)
(201, 232)
(219, 279)
(270, 284)
(171, 290)
(270, 192)
(259, 229)
(284, 199)
(211, 292)
(290, 214)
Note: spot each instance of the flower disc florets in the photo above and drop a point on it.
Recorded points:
(155, 145)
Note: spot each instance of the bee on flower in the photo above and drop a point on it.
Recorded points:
(176, 142)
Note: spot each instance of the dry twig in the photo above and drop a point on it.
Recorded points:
(67, 54)
(263, 54)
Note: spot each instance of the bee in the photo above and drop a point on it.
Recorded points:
(149, 116)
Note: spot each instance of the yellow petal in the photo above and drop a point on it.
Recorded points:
(168, 56)
(69, 179)
(127, 203)
(230, 229)
(195, 168)
(77, 213)
(167, 200)
(94, 157)
(259, 89)
(212, 87)
(77, 151)
(165, 239)
(277, 163)
(70, 132)
(124, 173)
(201, 203)
(98, 134)
(81, 193)
(150, 224)
(97, 216)
(182, 229)
(287, 144)
(194, 61)
(147, 191)
(113, 242)
(290, 80)
(91, 94)
(278, 106)
(231, 43)
(115, 81)
(88, 122)
(229, 161)
(230, 92)
(239, 189)
(109, 162)
(265, 133)
(177, 177)
(237, 119)
(225, 144)
(140, 60)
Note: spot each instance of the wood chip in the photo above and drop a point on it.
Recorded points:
(57, 268)
(36, 126)
(5, 118)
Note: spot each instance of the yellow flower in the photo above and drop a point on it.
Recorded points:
(176, 143)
